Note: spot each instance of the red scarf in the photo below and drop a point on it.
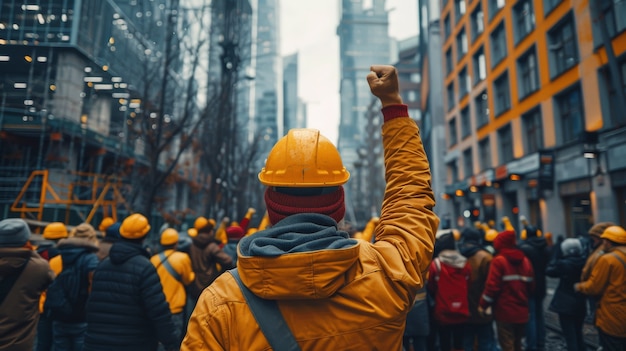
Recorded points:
(281, 205)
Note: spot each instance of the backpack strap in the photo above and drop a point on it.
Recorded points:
(169, 267)
(269, 318)
(437, 268)
(7, 283)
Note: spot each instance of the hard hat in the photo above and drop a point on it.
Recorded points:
(192, 232)
(490, 235)
(304, 159)
(201, 223)
(169, 237)
(571, 247)
(135, 226)
(106, 222)
(54, 231)
(615, 233)
(456, 234)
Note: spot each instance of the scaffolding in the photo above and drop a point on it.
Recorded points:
(76, 192)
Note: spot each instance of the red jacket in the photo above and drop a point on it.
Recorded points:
(509, 284)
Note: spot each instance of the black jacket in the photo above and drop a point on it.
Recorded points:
(127, 309)
(536, 249)
(565, 300)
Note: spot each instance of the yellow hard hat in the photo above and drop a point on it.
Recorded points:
(456, 234)
(490, 235)
(106, 222)
(192, 232)
(615, 233)
(169, 237)
(135, 226)
(202, 222)
(54, 231)
(304, 159)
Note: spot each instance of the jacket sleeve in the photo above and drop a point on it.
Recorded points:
(599, 277)
(156, 307)
(406, 230)
(188, 274)
(492, 287)
(221, 257)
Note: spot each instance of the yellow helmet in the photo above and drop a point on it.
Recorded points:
(106, 222)
(456, 234)
(304, 159)
(192, 232)
(54, 231)
(135, 226)
(169, 237)
(202, 222)
(490, 235)
(615, 233)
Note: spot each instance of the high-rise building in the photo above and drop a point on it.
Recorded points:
(363, 41)
(293, 107)
(268, 118)
(534, 111)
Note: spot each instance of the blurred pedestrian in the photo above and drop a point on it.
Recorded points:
(24, 275)
(566, 264)
(507, 290)
(127, 310)
(608, 282)
(479, 327)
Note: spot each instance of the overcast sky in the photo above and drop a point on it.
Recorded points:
(309, 28)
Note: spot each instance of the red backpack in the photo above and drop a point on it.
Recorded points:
(451, 303)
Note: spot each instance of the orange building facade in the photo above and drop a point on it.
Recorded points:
(535, 112)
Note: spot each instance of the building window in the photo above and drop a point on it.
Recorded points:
(466, 126)
(498, 44)
(549, 5)
(505, 143)
(480, 66)
(453, 171)
(459, 9)
(524, 18)
(484, 153)
(527, 73)
(614, 15)
(481, 102)
(449, 63)
(446, 27)
(495, 6)
(570, 114)
(502, 94)
(452, 132)
(617, 116)
(461, 44)
(478, 21)
(468, 162)
(533, 131)
(562, 47)
(464, 83)
(450, 90)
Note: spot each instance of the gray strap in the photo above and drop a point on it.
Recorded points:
(169, 267)
(616, 255)
(269, 319)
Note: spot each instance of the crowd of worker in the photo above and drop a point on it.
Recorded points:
(303, 279)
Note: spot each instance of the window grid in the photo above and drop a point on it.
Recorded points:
(533, 130)
(468, 162)
(478, 21)
(480, 66)
(524, 19)
(484, 150)
(495, 6)
(481, 102)
(563, 47)
(451, 101)
(505, 141)
(498, 44)
(502, 94)
(452, 132)
(571, 114)
(449, 63)
(446, 27)
(528, 73)
(459, 9)
(461, 44)
(463, 83)
(466, 126)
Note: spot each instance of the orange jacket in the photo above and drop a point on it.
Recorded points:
(353, 298)
(173, 289)
(607, 281)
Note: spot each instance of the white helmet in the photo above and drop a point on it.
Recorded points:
(571, 247)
